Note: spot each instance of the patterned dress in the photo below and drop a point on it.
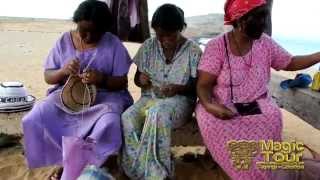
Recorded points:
(148, 123)
(250, 77)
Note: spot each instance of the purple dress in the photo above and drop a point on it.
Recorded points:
(49, 121)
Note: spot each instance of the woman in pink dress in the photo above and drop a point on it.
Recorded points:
(235, 68)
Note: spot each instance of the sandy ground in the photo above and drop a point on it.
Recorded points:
(23, 47)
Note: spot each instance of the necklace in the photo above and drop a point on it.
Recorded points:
(91, 59)
(238, 49)
(177, 48)
(169, 55)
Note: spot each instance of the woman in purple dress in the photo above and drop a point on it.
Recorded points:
(49, 121)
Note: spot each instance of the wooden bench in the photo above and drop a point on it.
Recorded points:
(302, 102)
(187, 135)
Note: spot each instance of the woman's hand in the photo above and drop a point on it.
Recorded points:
(144, 79)
(205, 85)
(92, 77)
(303, 62)
(71, 68)
(169, 90)
(219, 111)
(59, 76)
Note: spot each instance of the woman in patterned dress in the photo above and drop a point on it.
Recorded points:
(235, 68)
(167, 66)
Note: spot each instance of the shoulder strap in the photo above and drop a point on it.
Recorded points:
(228, 60)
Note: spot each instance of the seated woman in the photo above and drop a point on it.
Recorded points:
(235, 68)
(49, 120)
(166, 74)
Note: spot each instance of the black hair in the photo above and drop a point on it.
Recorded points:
(168, 17)
(251, 13)
(235, 23)
(95, 11)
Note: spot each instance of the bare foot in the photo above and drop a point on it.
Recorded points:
(56, 175)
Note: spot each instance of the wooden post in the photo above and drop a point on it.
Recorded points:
(121, 17)
(141, 32)
(145, 32)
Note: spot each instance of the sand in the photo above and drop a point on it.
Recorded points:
(25, 43)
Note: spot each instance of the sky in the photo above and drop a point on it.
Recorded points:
(291, 18)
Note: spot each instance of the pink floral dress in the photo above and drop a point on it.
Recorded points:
(250, 78)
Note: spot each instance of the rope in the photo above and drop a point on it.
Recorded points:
(87, 89)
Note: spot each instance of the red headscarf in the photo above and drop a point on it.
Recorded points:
(234, 9)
